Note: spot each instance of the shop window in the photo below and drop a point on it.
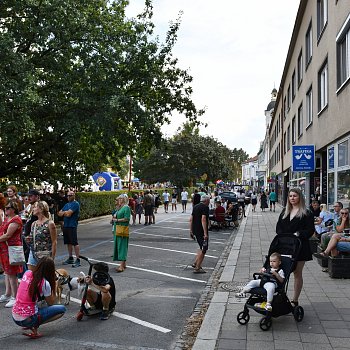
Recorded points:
(343, 187)
(331, 197)
(343, 153)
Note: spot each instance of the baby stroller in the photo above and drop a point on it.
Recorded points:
(288, 246)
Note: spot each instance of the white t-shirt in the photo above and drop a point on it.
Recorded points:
(166, 196)
(184, 196)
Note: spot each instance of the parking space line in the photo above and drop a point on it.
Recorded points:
(132, 319)
(155, 272)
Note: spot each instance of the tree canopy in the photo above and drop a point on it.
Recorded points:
(187, 157)
(81, 86)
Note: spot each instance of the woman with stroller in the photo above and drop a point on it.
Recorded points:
(298, 220)
(277, 278)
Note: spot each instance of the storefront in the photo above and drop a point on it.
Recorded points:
(338, 172)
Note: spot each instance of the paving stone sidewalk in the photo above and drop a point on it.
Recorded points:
(326, 301)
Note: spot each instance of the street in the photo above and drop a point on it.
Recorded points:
(155, 294)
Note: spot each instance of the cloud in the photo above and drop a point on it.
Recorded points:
(235, 51)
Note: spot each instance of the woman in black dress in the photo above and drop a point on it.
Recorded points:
(297, 219)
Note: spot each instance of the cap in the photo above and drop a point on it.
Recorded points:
(34, 192)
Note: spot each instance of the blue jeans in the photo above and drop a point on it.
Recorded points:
(44, 314)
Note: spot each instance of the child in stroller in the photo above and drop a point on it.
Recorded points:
(288, 247)
(271, 278)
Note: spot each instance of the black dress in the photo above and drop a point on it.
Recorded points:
(306, 228)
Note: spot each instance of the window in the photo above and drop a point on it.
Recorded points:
(343, 184)
(285, 107)
(293, 85)
(288, 138)
(300, 68)
(308, 45)
(323, 87)
(322, 16)
(343, 153)
(309, 111)
(343, 53)
(300, 120)
(293, 131)
(285, 142)
(288, 98)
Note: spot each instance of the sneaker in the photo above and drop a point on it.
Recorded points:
(268, 307)
(260, 305)
(11, 302)
(4, 298)
(76, 263)
(69, 261)
(241, 295)
(104, 315)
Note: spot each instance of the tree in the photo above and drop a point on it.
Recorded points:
(82, 86)
(187, 156)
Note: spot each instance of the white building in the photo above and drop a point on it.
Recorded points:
(249, 172)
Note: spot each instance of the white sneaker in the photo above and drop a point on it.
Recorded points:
(268, 307)
(4, 298)
(11, 302)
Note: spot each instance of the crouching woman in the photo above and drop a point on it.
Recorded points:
(37, 285)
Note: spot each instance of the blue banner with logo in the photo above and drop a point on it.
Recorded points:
(303, 158)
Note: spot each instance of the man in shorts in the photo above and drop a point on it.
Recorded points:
(199, 229)
(70, 213)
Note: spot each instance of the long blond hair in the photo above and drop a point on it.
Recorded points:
(302, 207)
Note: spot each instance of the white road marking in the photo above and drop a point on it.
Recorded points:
(170, 250)
(163, 236)
(170, 228)
(155, 272)
(168, 296)
(132, 319)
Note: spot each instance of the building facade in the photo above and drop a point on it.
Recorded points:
(249, 172)
(313, 103)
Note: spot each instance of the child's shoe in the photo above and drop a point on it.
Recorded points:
(260, 305)
(268, 307)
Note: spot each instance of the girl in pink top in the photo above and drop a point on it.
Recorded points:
(36, 284)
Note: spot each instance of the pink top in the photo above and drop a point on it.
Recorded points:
(24, 306)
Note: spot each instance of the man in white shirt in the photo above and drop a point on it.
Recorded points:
(166, 196)
(184, 198)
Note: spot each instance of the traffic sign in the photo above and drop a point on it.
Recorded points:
(303, 158)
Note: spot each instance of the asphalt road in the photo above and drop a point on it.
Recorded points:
(155, 294)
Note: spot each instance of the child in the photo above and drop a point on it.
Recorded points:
(277, 277)
(105, 297)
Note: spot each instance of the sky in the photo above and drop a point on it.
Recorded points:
(235, 51)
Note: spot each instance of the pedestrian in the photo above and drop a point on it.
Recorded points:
(173, 201)
(254, 199)
(241, 201)
(12, 195)
(166, 196)
(196, 198)
(272, 199)
(43, 236)
(156, 201)
(70, 213)
(132, 205)
(139, 206)
(10, 235)
(184, 199)
(263, 201)
(121, 232)
(37, 284)
(199, 221)
(298, 220)
(147, 205)
(60, 203)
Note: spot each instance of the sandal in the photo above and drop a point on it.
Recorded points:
(294, 303)
(194, 265)
(200, 270)
(119, 269)
(33, 335)
(321, 255)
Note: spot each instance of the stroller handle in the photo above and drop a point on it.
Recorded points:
(85, 258)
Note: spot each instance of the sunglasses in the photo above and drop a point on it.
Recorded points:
(6, 208)
(343, 213)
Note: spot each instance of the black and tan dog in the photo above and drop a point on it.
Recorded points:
(65, 284)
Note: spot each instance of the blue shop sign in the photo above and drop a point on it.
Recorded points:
(303, 158)
(331, 157)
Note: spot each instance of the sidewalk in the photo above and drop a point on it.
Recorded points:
(326, 301)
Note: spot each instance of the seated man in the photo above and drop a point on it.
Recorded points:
(219, 214)
(101, 292)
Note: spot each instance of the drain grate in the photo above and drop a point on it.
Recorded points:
(233, 286)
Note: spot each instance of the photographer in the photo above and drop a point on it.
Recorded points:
(101, 292)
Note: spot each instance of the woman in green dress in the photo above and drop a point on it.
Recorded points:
(121, 219)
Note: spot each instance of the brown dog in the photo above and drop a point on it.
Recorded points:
(66, 283)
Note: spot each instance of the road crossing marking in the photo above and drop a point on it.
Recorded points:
(131, 318)
(153, 271)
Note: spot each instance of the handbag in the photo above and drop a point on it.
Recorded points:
(16, 255)
(39, 254)
(122, 231)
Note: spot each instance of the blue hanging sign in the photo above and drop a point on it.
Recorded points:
(303, 158)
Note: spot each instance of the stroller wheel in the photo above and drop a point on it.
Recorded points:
(80, 315)
(243, 317)
(265, 323)
(298, 313)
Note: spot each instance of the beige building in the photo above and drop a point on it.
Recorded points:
(313, 103)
